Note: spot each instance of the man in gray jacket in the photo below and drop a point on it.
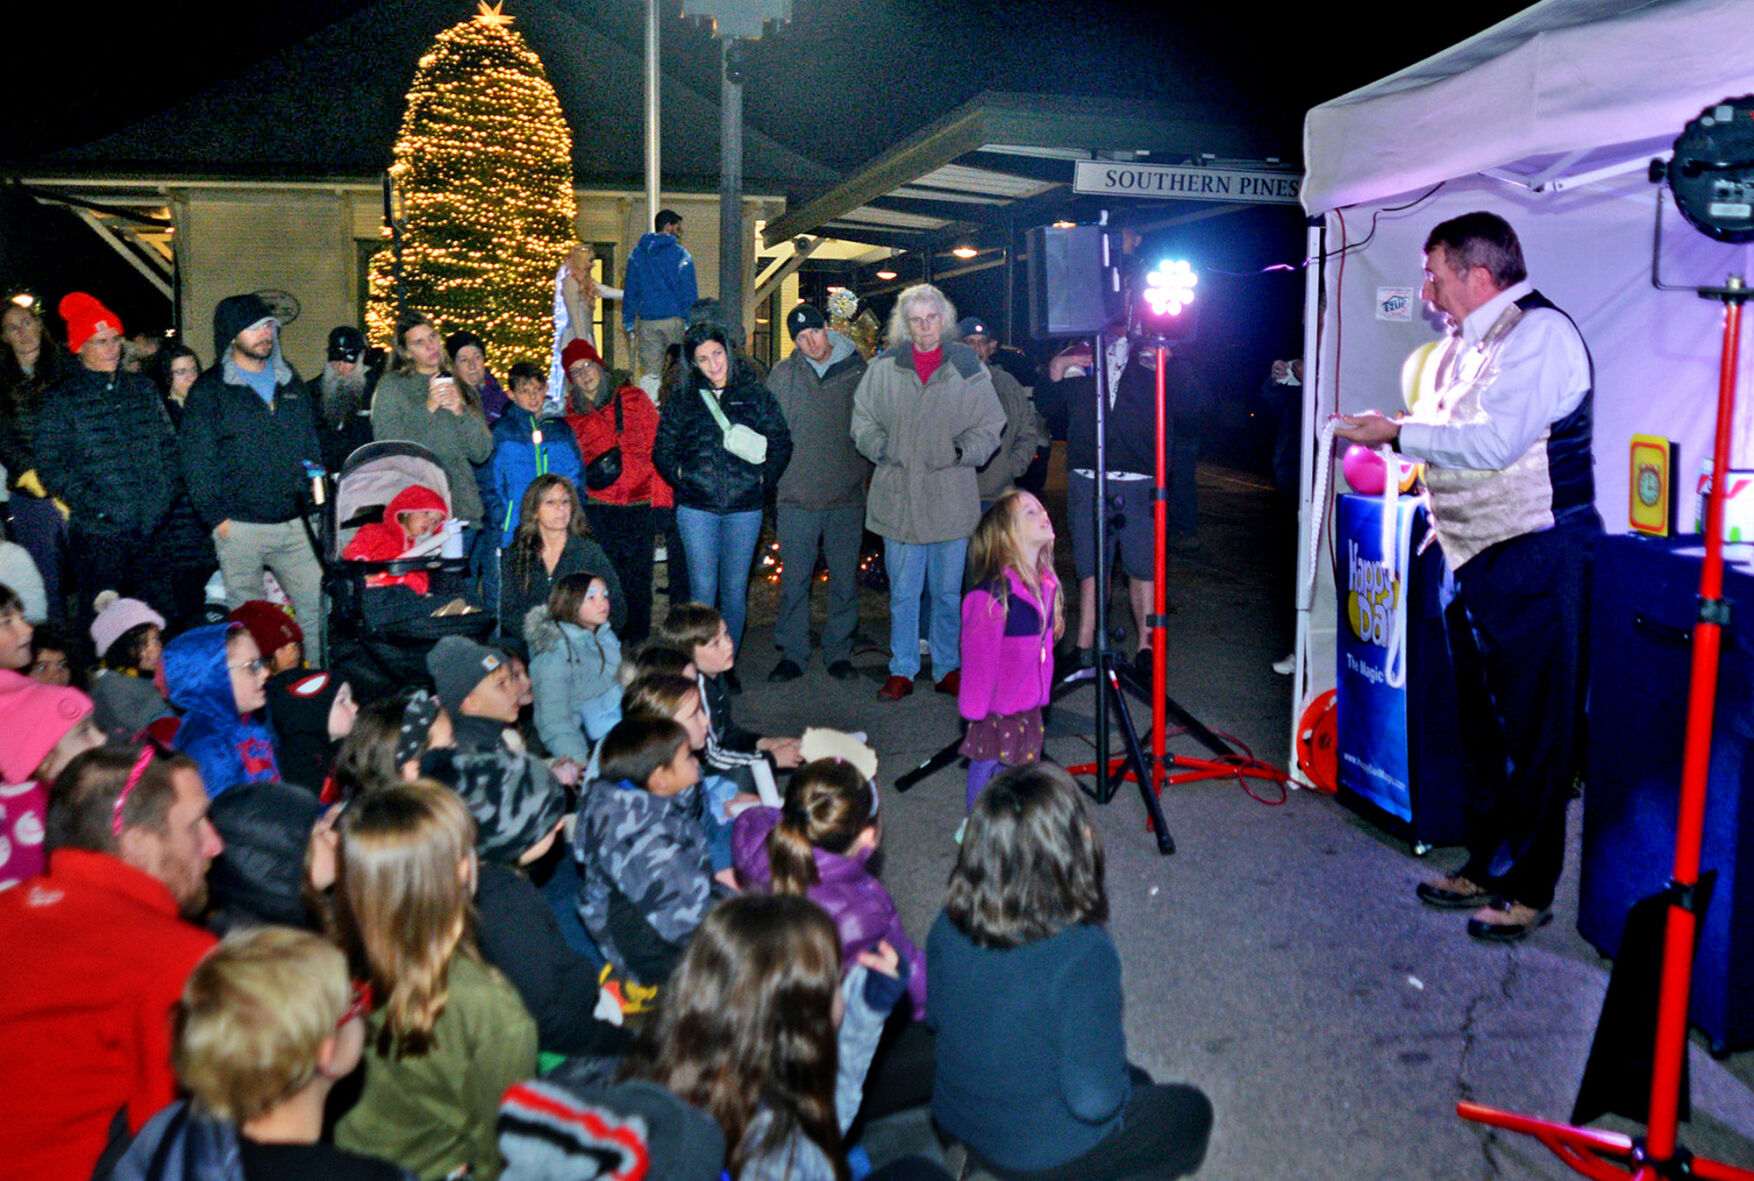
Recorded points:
(821, 497)
(927, 415)
(1025, 429)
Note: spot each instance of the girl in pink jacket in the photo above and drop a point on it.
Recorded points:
(1010, 621)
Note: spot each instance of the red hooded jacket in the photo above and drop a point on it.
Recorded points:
(388, 540)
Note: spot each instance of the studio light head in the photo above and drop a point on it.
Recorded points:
(1712, 171)
(1164, 306)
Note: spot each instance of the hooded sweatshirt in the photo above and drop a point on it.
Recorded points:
(387, 540)
(660, 280)
(243, 458)
(862, 910)
(230, 749)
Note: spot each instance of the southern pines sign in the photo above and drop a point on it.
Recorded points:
(1161, 182)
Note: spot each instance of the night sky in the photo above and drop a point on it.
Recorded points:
(839, 83)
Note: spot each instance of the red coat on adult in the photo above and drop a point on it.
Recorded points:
(96, 956)
(639, 482)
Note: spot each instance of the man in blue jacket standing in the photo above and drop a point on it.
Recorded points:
(660, 289)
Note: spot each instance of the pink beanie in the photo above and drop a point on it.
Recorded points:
(33, 718)
(116, 616)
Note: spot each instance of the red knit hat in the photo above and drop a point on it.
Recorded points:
(85, 317)
(33, 718)
(270, 626)
(579, 350)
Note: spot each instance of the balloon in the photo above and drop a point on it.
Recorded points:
(1364, 470)
(1419, 374)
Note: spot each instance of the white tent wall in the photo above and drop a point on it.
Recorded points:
(1656, 353)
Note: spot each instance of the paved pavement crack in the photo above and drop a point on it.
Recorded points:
(1471, 1016)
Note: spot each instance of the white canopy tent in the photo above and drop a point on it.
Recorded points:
(1549, 119)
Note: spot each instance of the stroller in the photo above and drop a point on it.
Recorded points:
(376, 650)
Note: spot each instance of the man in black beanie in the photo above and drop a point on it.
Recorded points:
(249, 443)
(342, 394)
(821, 497)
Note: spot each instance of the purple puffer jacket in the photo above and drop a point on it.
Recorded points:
(861, 908)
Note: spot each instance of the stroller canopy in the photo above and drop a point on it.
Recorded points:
(372, 477)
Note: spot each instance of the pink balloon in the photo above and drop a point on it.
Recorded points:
(1363, 469)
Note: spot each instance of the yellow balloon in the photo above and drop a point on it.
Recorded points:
(1419, 374)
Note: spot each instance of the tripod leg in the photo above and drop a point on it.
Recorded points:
(1194, 726)
(1136, 756)
(930, 767)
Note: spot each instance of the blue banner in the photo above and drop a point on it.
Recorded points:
(1371, 704)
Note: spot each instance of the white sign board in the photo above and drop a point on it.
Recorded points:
(1164, 182)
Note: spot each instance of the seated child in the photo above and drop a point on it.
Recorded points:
(642, 854)
(1031, 1064)
(413, 514)
(667, 695)
(450, 1034)
(277, 634)
(15, 631)
(127, 638)
(268, 1024)
(219, 679)
(575, 657)
(517, 821)
(700, 631)
(42, 729)
(818, 845)
(54, 657)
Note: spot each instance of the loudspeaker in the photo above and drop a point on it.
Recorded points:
(1074, 282)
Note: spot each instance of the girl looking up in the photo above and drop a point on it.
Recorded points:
(1010, 621)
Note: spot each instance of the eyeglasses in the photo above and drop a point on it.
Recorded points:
(258, 665)
(361, 1006)
(597, 592)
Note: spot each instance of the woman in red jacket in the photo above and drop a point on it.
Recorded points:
(615, 429)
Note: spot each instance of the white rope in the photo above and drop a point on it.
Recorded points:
(1393, 539)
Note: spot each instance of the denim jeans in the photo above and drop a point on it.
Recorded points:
(720, 549)
(938, 567)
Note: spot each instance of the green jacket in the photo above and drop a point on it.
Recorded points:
(922, 492)
(461, 441)
(432, 1113)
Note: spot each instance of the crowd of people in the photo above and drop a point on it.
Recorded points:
(551, 904)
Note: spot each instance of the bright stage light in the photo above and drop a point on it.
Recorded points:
(1170, 287)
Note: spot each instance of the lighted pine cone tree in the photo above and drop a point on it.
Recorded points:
(483, 166)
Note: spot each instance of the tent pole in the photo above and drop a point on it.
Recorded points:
(1313, 278)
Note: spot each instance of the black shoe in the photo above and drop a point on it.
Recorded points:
(1504, 921)
(732, 682)
(843, 670)
(784, 671)
(1453, 892)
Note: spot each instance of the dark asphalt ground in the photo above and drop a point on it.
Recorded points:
(1278, 959)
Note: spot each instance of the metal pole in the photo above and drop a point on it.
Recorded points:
(1100, 650)
(731, 191)
(654, 156)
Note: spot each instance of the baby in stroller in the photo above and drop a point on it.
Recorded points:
(415, 513)
(395, 572)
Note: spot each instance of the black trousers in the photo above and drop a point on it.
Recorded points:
(1163, 1134)
(132, 564)
(625, 531)
(1517, 639)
